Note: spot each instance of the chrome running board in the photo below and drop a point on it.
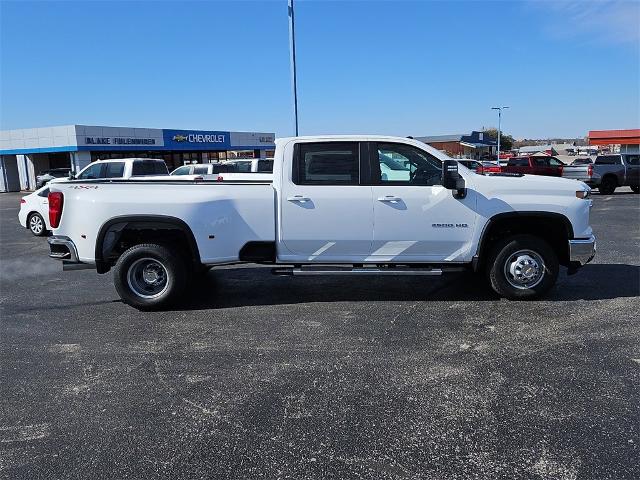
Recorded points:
(374, 270)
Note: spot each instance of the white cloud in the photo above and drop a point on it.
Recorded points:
(612, 21)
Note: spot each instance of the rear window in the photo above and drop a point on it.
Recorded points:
(518, 162)
(633, 159)
(608, 160)
(335, 163)
(265, 166)
(223, 168)
(142, 168)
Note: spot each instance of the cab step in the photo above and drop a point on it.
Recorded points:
(363, 270)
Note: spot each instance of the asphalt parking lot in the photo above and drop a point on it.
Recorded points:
(274, 377)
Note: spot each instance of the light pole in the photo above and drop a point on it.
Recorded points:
(499, 122)
(292, 53)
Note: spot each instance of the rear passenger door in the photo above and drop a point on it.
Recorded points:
(325, 214)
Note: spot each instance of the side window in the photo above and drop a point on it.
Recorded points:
(44, 193)
(265, 166)
(114, 170)
(243, 167)
(401, 164)
(184, 170)
(90, 172)
(200, 170)
(146, 167)
(633, 160)
(326, 163)
(540, 162)
(554, 162)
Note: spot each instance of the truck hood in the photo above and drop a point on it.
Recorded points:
(527, 184)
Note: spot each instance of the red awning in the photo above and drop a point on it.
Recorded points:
(614, 137)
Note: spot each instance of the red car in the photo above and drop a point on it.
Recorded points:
(535, 165)
(481, 167)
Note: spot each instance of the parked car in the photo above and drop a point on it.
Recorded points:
(608, 172)
(473, 165)
(204, 169)
(34, 212)
(328, 211)
(252, 165)
(535, 165)
(46, 176)
(481, 167)
(123, 168)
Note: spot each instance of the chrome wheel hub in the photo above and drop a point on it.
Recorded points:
(524, 269)
(36, 224)
(147, 278)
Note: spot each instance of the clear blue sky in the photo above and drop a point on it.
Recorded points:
(389, 67)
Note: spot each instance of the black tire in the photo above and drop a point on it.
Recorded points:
(150, 276)
(36, 225)
(636, 189)
(608, 186)
(520, 254)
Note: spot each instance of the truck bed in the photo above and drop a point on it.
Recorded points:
(221, 215)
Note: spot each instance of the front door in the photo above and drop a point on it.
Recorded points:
(415, 218)
(633, 169)
(325, 214)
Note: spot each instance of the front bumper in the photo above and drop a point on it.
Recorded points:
(582, 250)
(63, 248)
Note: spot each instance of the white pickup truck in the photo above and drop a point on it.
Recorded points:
(347, 205)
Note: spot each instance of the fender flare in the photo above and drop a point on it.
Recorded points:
(150, 221)
(483, 240)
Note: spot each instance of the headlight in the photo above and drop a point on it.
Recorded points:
(584, 194)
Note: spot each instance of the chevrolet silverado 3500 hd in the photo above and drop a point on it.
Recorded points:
(337, 205)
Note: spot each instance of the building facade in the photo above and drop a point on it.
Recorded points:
(628, 140)
(475, 145)
(24, 153)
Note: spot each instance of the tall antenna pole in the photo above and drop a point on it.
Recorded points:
(499, 109)
(292, 53)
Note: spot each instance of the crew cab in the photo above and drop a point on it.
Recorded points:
(608, 172)
(330, 209)
(535, 165)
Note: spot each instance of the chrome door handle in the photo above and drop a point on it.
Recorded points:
(389, 198)
(298, 198)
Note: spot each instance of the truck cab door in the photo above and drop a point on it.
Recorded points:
(632, 161)
(415, 218)
(324, 213)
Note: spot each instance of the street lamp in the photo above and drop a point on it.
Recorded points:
(292, 53)
(499, 122)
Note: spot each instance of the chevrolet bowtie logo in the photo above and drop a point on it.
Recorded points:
(179, 138)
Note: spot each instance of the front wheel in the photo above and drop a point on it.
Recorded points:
(522, 267)
(150, 276)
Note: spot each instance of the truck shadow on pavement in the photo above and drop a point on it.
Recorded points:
(254, 286)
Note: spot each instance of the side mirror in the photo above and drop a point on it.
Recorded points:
(452, 180)
(71, 176)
